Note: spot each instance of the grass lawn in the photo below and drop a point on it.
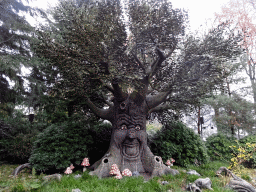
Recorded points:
(27, 181)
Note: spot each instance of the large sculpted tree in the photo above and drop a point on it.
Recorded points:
(127, 63)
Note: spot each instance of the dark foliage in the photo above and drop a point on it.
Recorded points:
(218, 147)
(16, 137)
(101, 134)
(15, 38)
(69, 142)
(177, 141)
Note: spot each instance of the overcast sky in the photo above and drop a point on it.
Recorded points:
(199, 11)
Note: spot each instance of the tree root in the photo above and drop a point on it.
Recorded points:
(20, 168)
(237, 184)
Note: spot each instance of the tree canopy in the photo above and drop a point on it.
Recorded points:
(241, 14)
(14, 48)
(100, 47)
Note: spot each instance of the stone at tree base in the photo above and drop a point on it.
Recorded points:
(135, 174)
(165, 183)
(193, 188)
(204, 183)
(193, 172)
(76, 190)
(236, 183)
(77, 176)
(53, 176)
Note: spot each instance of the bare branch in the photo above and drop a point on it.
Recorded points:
(160, 107)
(154, 101)
(170, 52)
(138, 61)
(110, 104)
(6, 40)
(253, 67)
(206, 68)
(117, 90)
(20, 168)
(109, 87)
(152, 39)
(153, 67)
(102, 113)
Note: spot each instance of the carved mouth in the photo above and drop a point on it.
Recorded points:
(131, 150)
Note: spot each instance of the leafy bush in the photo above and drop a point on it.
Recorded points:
(16, 137)
(218, 147)
(241, 157)
(179, 142)
(152, 129)
(18, 188)
(60, 145)
(18, 149)
(58, 117)
(101, 134)
(247, 143)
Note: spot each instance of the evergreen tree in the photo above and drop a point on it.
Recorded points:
(15, 38)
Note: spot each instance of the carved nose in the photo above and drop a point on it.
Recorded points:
(131, 133)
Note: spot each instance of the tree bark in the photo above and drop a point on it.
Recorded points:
(128, 146)
(20, 168)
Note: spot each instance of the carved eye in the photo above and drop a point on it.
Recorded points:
(137, 128)
(123, 127)
(123, 105)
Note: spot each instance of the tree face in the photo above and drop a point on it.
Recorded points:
(130, 129)
(128, 147)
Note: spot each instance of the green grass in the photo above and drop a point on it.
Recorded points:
(26, 181)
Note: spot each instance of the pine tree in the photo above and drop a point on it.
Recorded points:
(15, 38)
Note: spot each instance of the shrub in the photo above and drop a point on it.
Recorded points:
(218, 147)
(17, 149)
(247, 143)
(60, 145)
(101, 135)
(58, 117)
(16, 138)
(179, 142)
(241, 156)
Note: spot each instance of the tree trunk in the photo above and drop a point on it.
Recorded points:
(253, 90)
(216, 114)
(198, 121)
(20, 168)
(128, 147)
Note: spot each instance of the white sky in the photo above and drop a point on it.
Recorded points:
(199, 11)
